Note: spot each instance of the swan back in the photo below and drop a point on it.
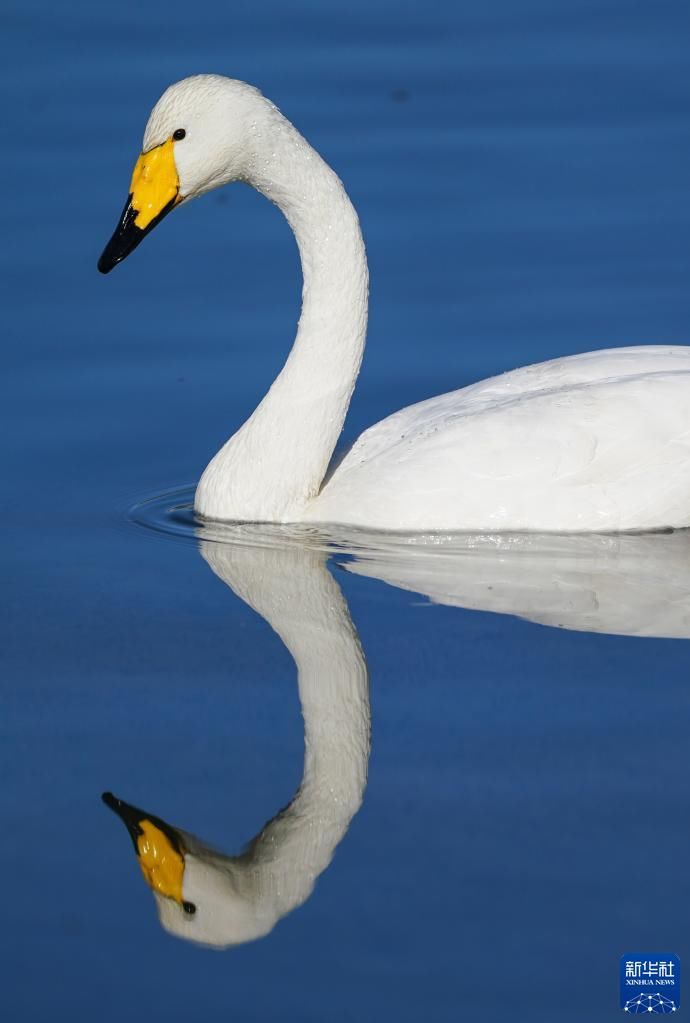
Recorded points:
(593, 443)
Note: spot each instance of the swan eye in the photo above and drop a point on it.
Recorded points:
(189, 908)
(179, 134)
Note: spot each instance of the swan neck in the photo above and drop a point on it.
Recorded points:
(275, 464)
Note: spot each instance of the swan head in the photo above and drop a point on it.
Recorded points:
(200, 894)
(197, 138)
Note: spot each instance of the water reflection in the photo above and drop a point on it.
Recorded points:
(220, 900)
(625, 584)
(631, 585)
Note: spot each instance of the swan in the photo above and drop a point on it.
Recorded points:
(219, 900)
(596, 442)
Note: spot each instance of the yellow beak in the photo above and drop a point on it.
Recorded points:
(159, 849)
(153, 192)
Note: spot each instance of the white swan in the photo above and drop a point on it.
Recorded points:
(595, 442)
(219, 900)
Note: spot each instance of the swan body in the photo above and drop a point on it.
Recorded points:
(597, 442)
(594, 443)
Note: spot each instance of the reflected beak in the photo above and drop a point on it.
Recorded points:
(159, 849)
(131, 816)
(153, 192)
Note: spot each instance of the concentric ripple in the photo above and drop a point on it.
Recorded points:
(171, 513)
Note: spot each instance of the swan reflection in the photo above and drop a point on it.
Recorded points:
(622, 584)
(627, 584)
(637, 585)
(220, 900)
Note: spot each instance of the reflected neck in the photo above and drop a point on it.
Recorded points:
(296, 594)
(271, 468)
(297, 845)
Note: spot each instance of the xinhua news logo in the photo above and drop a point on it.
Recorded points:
(650, 982)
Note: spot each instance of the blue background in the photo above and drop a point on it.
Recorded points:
(522, 175)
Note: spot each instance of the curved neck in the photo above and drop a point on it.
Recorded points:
(292, 589)
(282, 863)
(276, 462)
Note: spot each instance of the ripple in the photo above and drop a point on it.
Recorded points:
(170, 513)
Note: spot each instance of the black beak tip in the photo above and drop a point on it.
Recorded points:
(125, 238)
(128, 236)
(105, 265)
(129, 815)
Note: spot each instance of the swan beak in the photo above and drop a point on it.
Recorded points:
(159, 849)
(153, 192)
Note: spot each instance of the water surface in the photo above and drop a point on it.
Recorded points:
(522, 176)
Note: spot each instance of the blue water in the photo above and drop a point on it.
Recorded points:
(522, 174)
